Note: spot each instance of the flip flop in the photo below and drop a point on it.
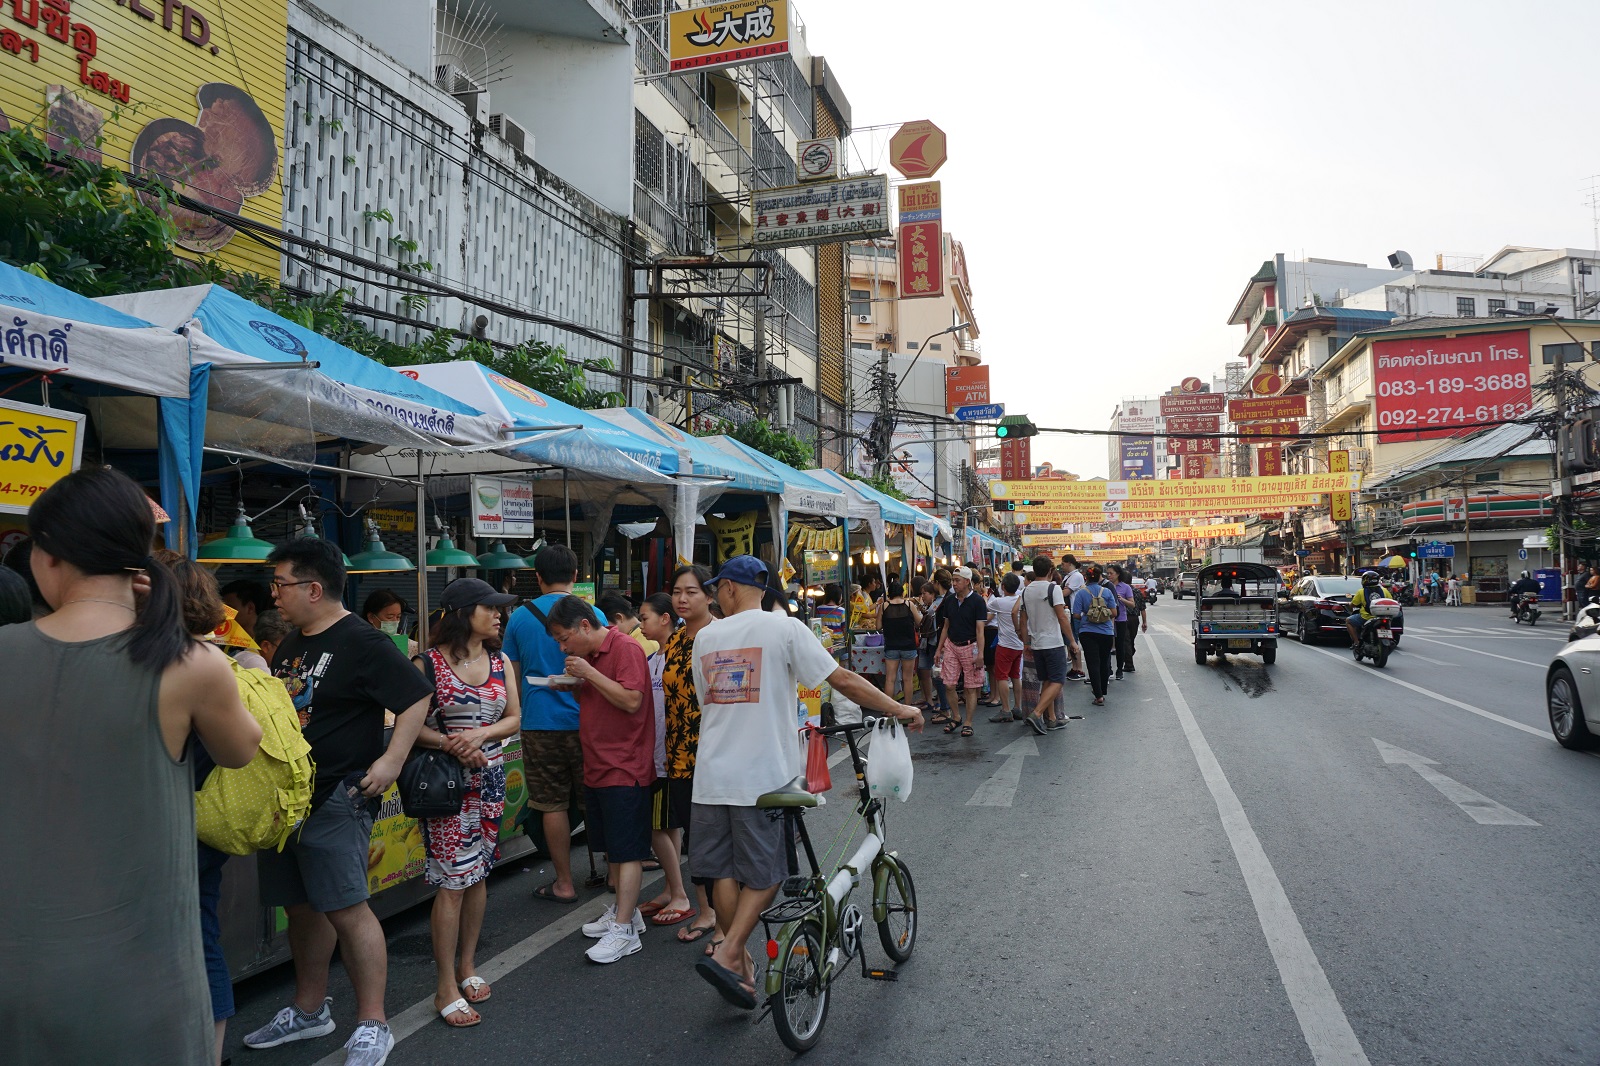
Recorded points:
(697, 932)
(727, 983)
(548, 892)
(651, 865)
(652, 908)
(460, 1007)
(668, 916)
(476, 989)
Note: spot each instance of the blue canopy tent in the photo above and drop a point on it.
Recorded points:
(49, 330)
(802, 493)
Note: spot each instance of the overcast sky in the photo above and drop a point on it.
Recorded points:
(1118, 171)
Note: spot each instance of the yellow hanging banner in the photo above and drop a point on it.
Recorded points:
(1139, 510)
(38, 447)
(1116, 537)
(1208, 490)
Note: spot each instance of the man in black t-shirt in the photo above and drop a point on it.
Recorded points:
(962, 616)
(342, 675)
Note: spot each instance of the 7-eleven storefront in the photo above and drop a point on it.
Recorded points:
(1490, 534)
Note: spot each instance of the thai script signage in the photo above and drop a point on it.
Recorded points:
(38, 447)
(822, 212)
(1426, 387)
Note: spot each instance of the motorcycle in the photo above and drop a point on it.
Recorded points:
(1527, 608)
(1377, 638)
(1587, 624)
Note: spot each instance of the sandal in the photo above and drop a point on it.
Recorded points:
(670, 916)
(470, 1016)
(713, 946)
(548, 891)
(966, 730)
(953, 726)
(939, 718)
(476, 989)
(696, 932)
(651, 909)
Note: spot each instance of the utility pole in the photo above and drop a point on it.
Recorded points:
(1563, 429)
(763, 394)
(884, 428)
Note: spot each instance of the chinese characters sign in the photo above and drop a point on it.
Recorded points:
(822, 212)
(38, 447)
(1339, 503)
(721, 35)
(1199, 403)
(921, 251)
(1269, 461)
(1016, 459)
(1270, 432)
(1433, 386)
(1267, 407)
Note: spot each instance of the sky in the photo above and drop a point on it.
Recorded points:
(1118, 171)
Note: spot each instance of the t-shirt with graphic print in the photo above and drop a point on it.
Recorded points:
(748, 670)
(682, 705)
(341, 682)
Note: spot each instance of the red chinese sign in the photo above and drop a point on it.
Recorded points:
(1016, 459)
(1198, 403)
(1194, 466)
(1194, 424)
(1269, 461)
(1268, 407)
(921, 252)
(1430, 387)
(1194, 445)
(964, 385)
(1277, 432)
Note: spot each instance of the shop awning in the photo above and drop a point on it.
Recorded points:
(577, 440)
(698, 455)
(802, 493)
(284, 411)
(47, 329)
(933, 525)
(891, 510)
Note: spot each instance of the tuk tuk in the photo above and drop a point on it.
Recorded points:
(1236, 609)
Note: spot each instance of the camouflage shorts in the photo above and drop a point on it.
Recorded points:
(553, 763)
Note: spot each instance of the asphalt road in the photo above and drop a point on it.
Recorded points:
(1219, 866)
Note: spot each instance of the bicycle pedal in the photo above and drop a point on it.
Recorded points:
(882, 975)
(795, 886)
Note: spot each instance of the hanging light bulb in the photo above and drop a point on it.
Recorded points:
(446, 553)
(377, 559)
(239, 546)
(307, 529)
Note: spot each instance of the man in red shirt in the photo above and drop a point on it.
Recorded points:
(617, 731)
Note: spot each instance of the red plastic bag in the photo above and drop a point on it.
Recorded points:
(818, 778)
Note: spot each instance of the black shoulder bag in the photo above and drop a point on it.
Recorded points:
(432, 783)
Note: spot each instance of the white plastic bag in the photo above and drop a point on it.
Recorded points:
(889, 761)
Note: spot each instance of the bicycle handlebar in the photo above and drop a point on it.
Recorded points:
(835, 730)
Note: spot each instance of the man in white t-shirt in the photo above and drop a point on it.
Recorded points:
(1042, 622)
(748, 668)
(1071, 582)
(1007, 673)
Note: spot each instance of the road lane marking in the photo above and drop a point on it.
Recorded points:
(1475, 651)
(1001, 788)
(1479, 807)
(1322, 1020)
(1436, 662)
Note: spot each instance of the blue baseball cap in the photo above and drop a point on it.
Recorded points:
(744, 570)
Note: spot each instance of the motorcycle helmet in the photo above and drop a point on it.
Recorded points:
(1368, 579)
(1524, 575)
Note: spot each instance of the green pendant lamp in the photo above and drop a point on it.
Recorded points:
(308, 529)
(499, 558)
(377, 559)
(239, 547)
(447, 554)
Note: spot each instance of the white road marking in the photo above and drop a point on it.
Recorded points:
(1479, 807)
(1001, 788)
(1436, 662)
(1322, 1020)
(1476, 651)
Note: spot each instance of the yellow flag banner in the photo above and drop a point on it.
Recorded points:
(1196, 489)
(1138, 510)
(808, 539)
(1118, 537)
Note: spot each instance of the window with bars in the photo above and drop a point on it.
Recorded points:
(860, 302)
(798, 297)
(1525, 305)
(1466, 306)
(774, 166)
(1496, 305)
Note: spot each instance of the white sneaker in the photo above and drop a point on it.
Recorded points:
(602, 925)
(619, 942)
(369, 1045)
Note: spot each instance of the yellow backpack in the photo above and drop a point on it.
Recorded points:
(258, 805)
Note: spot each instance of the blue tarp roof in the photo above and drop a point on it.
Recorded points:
(893, 510)
(802, 492)
(706, 457)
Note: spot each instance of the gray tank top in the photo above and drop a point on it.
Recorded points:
(100, 956)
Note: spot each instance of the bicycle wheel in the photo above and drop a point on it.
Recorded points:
(802, 1004)
(898, 930)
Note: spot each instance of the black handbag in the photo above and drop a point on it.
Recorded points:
(433, 784)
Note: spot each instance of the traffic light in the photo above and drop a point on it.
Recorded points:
(1015, 505)
(1015, 427)
(1411, 548)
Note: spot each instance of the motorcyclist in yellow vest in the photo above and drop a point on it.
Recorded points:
(1360, 610)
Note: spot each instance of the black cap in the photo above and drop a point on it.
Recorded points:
(466, 592)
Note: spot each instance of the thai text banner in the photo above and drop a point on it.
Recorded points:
(1117, 537)
(38, 447)
(1185, 489)
(1426, 387)
(822, 212)
(1120, 510)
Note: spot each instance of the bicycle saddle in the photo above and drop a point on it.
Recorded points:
(793, 794)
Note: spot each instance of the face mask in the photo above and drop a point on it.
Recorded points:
(389, 627)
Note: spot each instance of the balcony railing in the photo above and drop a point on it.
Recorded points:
(675, 231)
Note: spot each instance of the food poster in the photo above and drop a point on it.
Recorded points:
(811, 701)
(192, 93)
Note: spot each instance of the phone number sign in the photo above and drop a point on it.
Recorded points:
(1430, 387)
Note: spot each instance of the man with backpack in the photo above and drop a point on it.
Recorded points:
(1094, 609)
(552, 757)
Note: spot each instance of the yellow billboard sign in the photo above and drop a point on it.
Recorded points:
(191, 93)
(1195, 489)
(1115, 537)
(1139, 510)
(38, 447)
(1339, 508)
(721, 35)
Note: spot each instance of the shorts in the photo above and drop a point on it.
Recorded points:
(960, 664)
(618, 820)
(669, 802)
(1007, 664)
(552, 761)
(924, 658)
(1077, 626)
(742, 843)
(1050, 664)
(211, 861)
(900, 655)
(324, 864)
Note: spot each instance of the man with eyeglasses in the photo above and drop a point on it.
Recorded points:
(342, 675)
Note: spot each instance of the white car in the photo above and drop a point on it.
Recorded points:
(1187, 582)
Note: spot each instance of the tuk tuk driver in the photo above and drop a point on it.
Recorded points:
(1360, 611)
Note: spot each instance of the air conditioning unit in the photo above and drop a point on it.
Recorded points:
(864, 319)
(510, 131)
(886, 338)
(461, 85)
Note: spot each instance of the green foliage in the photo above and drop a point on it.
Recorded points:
(884, 485)
(78, 224)
(767, 439)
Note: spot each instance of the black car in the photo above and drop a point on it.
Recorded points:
(1319, 606)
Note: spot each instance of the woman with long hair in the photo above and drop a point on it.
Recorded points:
(473, 711)
(106, 690)
(692, 603)
(657, 621)
(901, 619)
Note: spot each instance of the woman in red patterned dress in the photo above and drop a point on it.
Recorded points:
(473, 711)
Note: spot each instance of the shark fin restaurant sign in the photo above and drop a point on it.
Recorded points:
(38, 447)
(188, 93)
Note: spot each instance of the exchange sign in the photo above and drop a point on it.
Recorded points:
(721, 35)
(1436, 386)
